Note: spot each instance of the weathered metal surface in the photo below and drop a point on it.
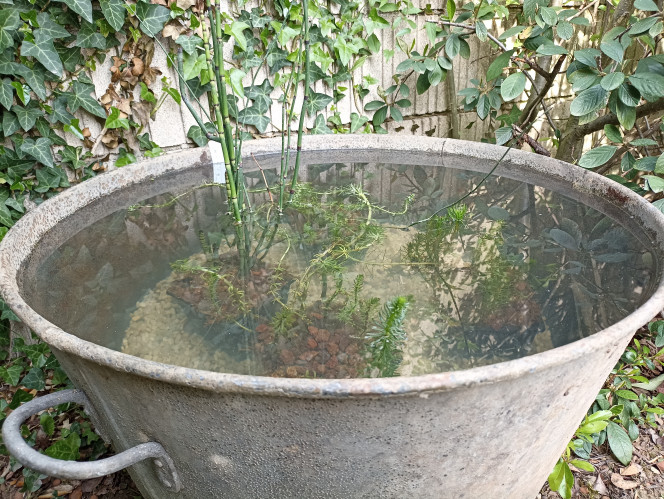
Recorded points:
(18, 448)
(492, 431)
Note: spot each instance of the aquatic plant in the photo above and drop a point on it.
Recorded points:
(387, 338)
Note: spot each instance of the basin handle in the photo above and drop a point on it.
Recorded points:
(17, 447)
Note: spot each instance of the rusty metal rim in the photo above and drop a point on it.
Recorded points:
(19, 242)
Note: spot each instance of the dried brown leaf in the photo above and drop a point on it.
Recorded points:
(141, 111)
(124, 105)
(621, 483)
(138, 66)
(185, 4)
(632, 469)
(599, 486)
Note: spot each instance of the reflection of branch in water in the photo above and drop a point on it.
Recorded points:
(463, 328)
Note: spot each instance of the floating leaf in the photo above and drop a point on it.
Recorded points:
(498, 213)
(513, 86)
(597, 157)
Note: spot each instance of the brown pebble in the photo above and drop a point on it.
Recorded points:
(342, 357)
(316, 315)
(311, 343)
(332, 363)
(335, 338)
(266, 337)
(307, 356)
(263, 328)
(319, 368)
(291, 372)
(333, 348)
(352, 349)
(56, 482)
(323, 335)
(344, 341)
(287, 357)
(77, 493)
(313, 330)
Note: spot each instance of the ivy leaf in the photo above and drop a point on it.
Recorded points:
(39, 149)
(10, 124)
(12, 374)
(317, 102)
(115, 121)
(44, 51)
(188, 43)
(236, 77)
(6, 93)
(320, 128)
(47, 423)
(597, 156)
(253, 116)
(498, 64)
(613, 49)
(345, 49)
(114, 12)
(513, 86)
(196, 134)
(88, 37)
(59, 111)
(66, 448)
(612, 81)
(619, 441)
(82, 7)
(49, 29)
(357, 122)
(237, 32)
(80, 97)
(588, 101)
(35, 78)
(9, 22)
(649, 84)
(152, 17)
(26, 116)
(260, 95)
(34, 380)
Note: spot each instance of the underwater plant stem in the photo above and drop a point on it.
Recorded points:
(305, 22)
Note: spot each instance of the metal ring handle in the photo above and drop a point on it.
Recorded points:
(17, 447)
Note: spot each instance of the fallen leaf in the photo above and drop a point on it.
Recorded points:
(632, 469)
(185, 4)
(141, 111)
(138, 68)
(86, 132)
(621, 483)
(599, 486)
(124, 105)
(660, 466)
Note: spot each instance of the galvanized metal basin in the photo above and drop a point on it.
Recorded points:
(493, 431)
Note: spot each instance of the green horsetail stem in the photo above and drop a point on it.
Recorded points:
(305, 21)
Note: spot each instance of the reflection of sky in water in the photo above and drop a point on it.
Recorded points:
(521, 271)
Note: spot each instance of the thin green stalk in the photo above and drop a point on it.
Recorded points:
(214, 95)
(305, 21)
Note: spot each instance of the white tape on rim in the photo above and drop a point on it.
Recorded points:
(218, 165)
